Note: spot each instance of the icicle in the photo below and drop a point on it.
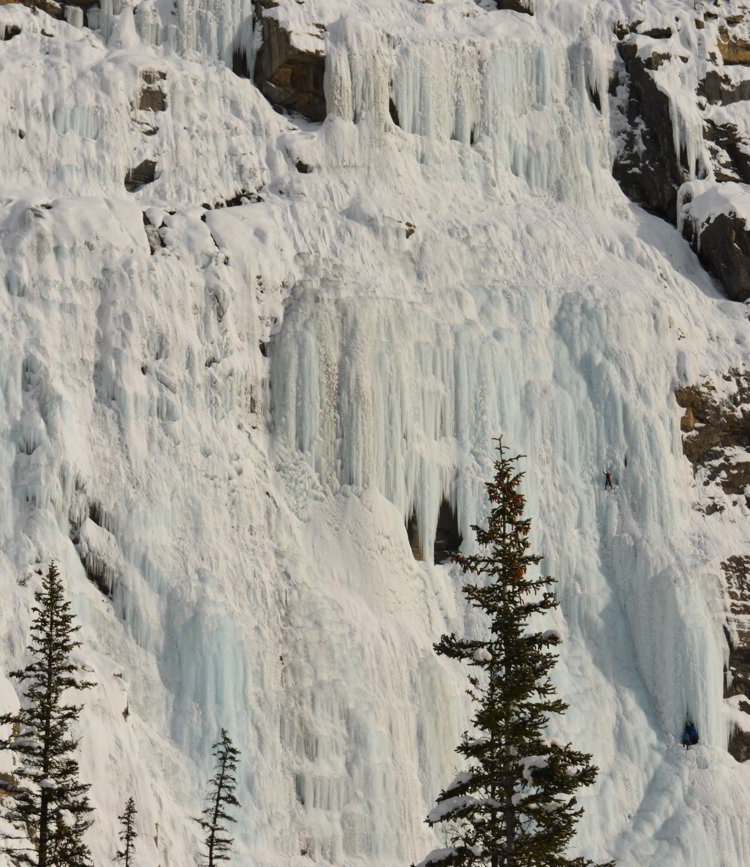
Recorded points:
(74, 16)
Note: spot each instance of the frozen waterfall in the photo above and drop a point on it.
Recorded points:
(220, 419)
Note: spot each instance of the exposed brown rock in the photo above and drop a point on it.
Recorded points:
(647, 167)
(737, 675)
(152, 96)
(143, 173)
(656, 60)
(624, 28)
(719, 89)
(288, 77)
(525, 6)
(713, 425)
(658, 32)
(153, 76)
(51, 7)
(152, 99)
(687, 422)
(733, 49)
(730, 151)
(723, 246)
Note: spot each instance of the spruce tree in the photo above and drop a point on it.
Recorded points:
(49, 806)
(514, 804)
(128, 834)
(222, 787)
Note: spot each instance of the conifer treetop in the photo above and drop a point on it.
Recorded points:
(221, 796)
(50, 807)
(514, 804)
(128, 833)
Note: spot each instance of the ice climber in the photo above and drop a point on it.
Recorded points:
(607, 480)
(690, 735)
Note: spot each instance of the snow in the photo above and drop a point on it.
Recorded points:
(703, 201)
(481, 654)
(31, 743)
(451, 805)
(239, 425)
(444, 856)
(438, 856)
(461, 779)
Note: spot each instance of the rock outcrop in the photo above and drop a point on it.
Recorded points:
(526, 6)
(729, 150)
(716, 428)
(647, 166)
(737, 673)
(723, 246)
(734, 49)
(143, 173)
(718, 88)
(289, 77)
(658, 128)
(51, 7)
(152, 96)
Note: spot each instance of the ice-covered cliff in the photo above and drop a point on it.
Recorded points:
(242, 349)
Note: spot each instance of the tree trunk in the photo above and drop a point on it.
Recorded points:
(217, 806)
(509, 860)
(46, 746)
(43, 835)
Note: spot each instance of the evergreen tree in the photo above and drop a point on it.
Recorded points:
(514, 804)
(220, 796)
(50, 809)
(128, 834)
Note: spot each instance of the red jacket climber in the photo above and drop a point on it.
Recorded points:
(607, 480)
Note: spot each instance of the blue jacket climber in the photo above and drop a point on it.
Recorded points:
(690, 735)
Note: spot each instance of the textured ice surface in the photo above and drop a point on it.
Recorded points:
(233, 429)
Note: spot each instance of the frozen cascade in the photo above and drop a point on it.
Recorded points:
(426, 286)
(212, 28)
(524, 105)
(418, 438)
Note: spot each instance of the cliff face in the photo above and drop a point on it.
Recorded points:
(258, 336)
(716, 441)
(682, 83)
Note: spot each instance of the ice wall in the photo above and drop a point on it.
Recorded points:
(226, 415)
(526, 107)
(79, 107)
